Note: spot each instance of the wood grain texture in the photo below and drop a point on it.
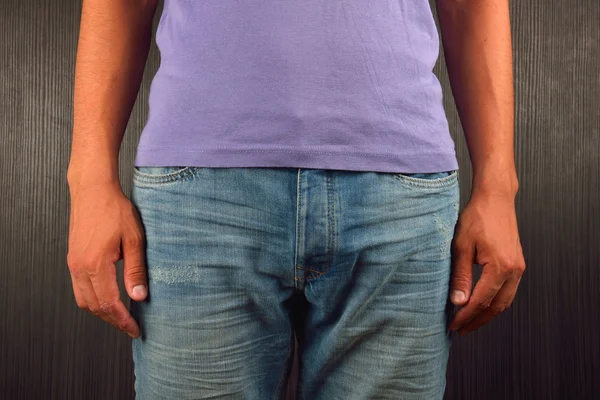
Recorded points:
(546, 346)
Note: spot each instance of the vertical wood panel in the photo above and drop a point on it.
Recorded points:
(545, 347)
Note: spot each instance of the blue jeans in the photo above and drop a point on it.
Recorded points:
(356, 263)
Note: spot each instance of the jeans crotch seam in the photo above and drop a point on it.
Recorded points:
(285, 377)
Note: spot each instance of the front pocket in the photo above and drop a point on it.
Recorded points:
(428, 179)
(160, 174)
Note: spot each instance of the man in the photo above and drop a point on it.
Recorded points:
(295, 176)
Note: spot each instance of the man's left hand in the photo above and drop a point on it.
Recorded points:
(486, 234)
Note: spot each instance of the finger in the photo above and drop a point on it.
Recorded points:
(500, 303)
(134, 268)
(461, 280)
(484, 292)
(104, 281)
(86, 298)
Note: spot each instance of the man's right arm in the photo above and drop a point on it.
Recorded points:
(114, 42)
(104, 225)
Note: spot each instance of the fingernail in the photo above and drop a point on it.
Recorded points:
(139, 291)
(458, 296)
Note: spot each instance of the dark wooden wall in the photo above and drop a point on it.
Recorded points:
(547, 346)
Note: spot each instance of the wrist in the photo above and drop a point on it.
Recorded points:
(92, 172)
(495, 178)
(497, 182)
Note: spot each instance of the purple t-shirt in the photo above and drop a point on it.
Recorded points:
(337, 84)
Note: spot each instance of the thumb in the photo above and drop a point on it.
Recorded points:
(462, 274)
(134, 266)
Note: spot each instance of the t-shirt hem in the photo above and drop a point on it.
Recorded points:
(296, 158)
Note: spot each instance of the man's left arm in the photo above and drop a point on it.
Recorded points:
(477, 45)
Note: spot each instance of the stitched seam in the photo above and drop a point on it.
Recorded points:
(226, 149)
(311, 270)
(425, 183)
(297, 244)
(330, 235)
(172, 177)
(331, 211)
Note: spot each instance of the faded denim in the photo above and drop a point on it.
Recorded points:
(356, 263)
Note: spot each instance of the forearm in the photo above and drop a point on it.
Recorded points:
(477, 46)
(113, 46)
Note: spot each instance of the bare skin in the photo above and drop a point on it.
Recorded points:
(104, 226)
(477, 45)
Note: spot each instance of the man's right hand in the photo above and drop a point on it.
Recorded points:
(112, 48)
(105, 226)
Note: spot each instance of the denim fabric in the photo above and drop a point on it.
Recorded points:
(356, 263)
